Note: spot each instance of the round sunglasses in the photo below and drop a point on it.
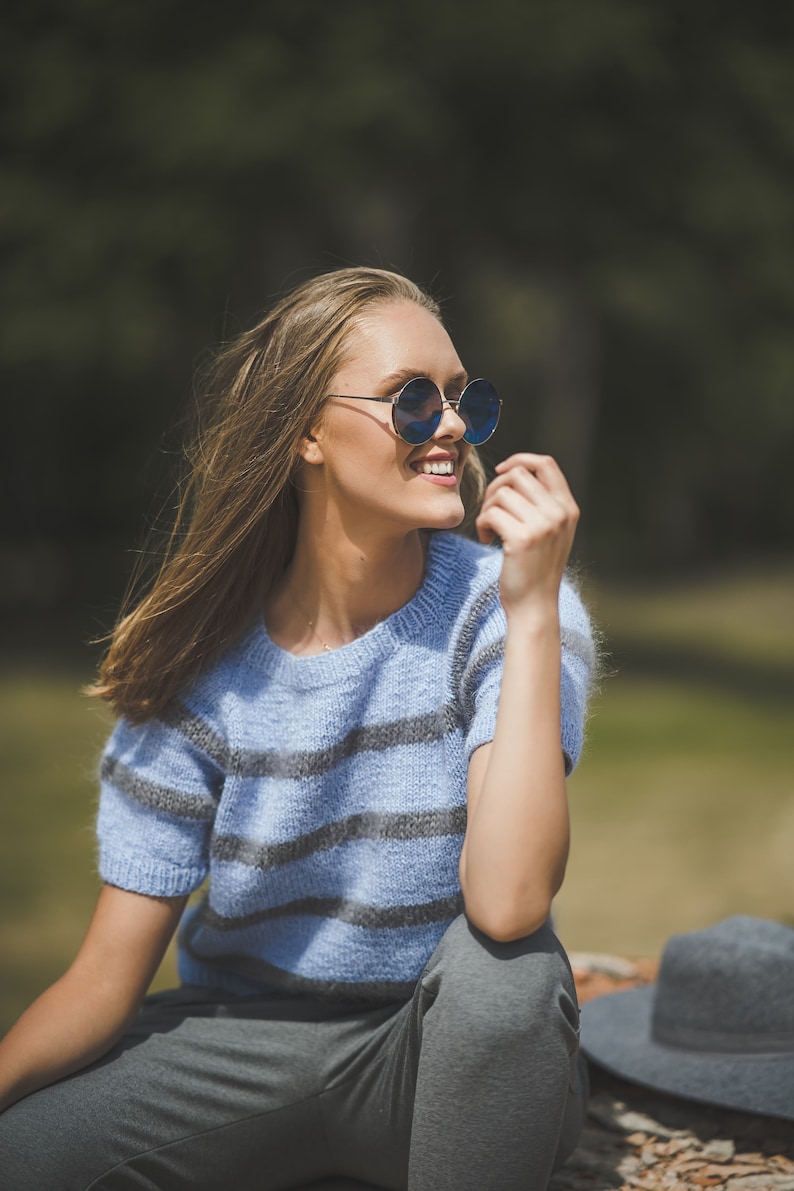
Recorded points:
(419, 406)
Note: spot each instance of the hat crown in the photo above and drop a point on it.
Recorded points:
(728, 988)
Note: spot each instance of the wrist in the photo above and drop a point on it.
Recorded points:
(537, 617)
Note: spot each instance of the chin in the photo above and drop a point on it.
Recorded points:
(450, 519)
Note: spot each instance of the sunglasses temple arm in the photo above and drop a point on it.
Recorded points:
(356, 397)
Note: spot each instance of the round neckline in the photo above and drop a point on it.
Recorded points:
(330, 666)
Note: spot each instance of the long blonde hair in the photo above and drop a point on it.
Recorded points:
(237, 517)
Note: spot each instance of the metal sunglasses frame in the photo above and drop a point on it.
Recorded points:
(452, 402)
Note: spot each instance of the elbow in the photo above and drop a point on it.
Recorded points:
(507, 924)
(508, 910)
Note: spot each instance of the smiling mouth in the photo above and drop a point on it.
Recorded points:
(443, 467)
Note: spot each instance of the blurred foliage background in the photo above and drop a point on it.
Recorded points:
(602, 194)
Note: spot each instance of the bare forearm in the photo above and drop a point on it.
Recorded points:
(517, 837)
(82, 1015)
(70, 1025)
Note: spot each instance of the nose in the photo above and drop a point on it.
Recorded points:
(451, 424)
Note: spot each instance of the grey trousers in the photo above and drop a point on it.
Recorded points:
(475, 1083)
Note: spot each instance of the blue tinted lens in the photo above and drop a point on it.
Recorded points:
(418, 411)
(479, 408)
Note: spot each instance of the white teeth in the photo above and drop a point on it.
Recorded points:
(445, 468)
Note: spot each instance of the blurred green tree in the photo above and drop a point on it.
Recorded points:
(602, 191)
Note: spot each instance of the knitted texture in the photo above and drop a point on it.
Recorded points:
(325, 796)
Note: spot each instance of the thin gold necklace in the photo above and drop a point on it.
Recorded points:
(310, 623)
(328, 648)
(324, 644)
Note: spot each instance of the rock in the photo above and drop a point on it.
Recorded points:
(605, 965)
(719, 1151)
(648, 1156)
(762, 1182)
(612, 1114)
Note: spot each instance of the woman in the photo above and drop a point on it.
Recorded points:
(357, 725)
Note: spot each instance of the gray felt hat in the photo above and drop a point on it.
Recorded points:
(718, 1026)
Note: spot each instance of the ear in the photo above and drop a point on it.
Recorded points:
(310, 450)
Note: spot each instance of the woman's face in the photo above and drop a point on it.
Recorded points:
(365, 469)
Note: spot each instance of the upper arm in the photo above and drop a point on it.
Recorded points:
(125, 942)
(478, 766)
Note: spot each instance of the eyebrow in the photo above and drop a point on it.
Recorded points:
(396, 380)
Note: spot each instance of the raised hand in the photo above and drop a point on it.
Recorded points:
(530, 507)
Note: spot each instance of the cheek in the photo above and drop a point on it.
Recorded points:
(365, 468)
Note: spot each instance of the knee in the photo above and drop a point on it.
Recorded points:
(503, 1017)
(506, 990)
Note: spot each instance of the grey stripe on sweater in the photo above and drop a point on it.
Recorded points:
(353, 912)
(579, 645)
(261, 972)
(371, 825)
(163, 798)
(283, 763)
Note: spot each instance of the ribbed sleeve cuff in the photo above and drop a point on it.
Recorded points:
(140, 875)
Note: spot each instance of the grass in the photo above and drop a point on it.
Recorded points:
(682, 806)
(682, 814)
(50, 740)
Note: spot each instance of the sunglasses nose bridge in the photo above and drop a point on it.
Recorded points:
(449, 408)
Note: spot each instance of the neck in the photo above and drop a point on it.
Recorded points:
(335, 590)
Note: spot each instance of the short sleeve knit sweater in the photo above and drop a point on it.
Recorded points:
(325, 796)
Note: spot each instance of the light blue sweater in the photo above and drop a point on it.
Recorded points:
(325, 796)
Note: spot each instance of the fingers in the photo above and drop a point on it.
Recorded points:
(522, 518)
(495, 523)
(530, 506)
(528, 498)
(537, 477)
(530, 460)
(543, 467)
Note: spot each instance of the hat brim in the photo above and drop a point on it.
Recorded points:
(616, 1034)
